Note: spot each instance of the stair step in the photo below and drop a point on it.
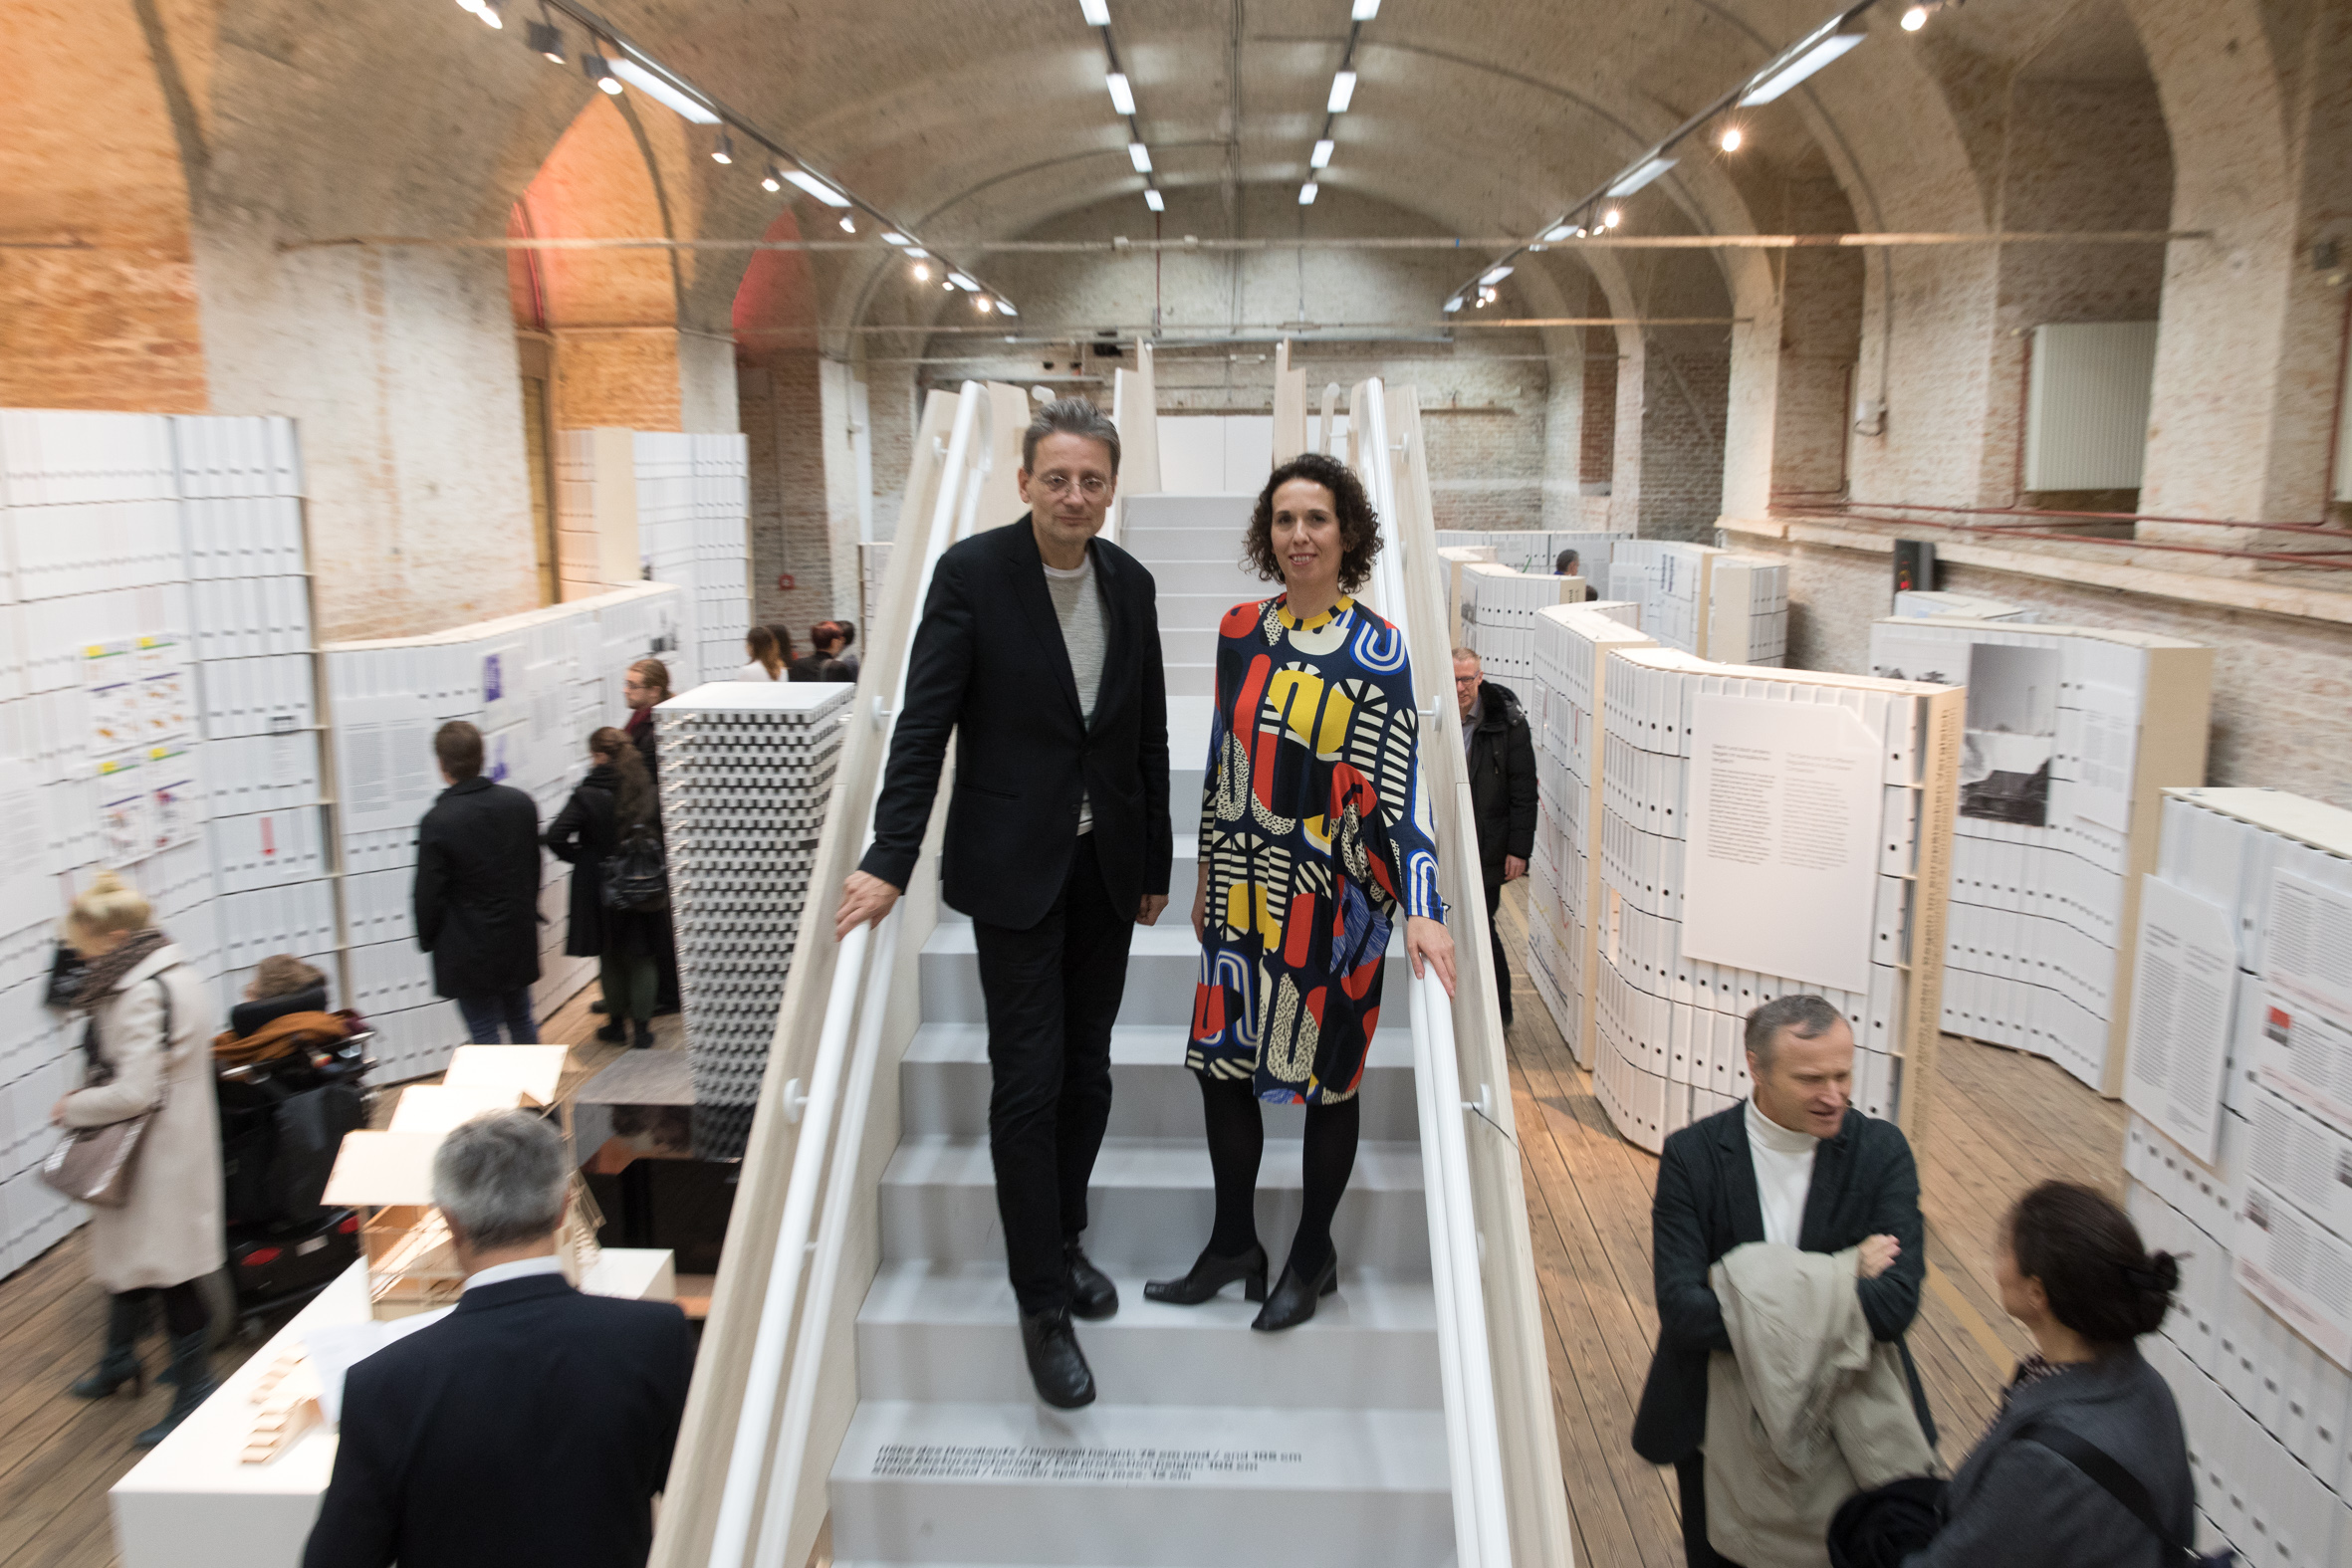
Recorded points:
(951, 1333)
(944, 1085)
(1163, 967)
(1148, 1486)
(1151, 1205)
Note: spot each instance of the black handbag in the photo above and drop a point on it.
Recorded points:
(1880, 1527)
(635, 877)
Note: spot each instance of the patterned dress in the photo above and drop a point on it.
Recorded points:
(1314, 831)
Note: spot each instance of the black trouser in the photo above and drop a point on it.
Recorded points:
(1691, 1475)
(1495, 941)
(1053, 992)
(184, 1308)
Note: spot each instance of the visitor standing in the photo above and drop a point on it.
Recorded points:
(1500, 752)
(476, 892)
(612, 809)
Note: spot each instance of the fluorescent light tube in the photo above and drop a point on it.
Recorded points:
(1154, 200)
(1496, 274)
(1308, 192)
(661, 91)
(1366, 10)
(1342, 91)
(1005, 307)
(893, 237)
(817, 188)
(1122, 93)
(1320, 158)
(1804, 66)
(964, 282)
(1641, 176)
(917, 251)
(1140, 156)
(1453, 305)
(1096, 12)
(1564, 232)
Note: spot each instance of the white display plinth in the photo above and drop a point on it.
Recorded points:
(192, 1504)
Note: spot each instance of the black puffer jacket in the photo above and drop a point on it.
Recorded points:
(1502, 779)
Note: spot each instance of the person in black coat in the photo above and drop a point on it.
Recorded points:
(2073, 1271)
(1500, 751)
(477, 892)
(615, 796)
(1057, 839)
(1794, 1164)
(645, 688)
(531, 1426)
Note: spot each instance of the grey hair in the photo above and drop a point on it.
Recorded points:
(1809, 1017)
(1069, 417)
(501, 1178)
(1471, 654)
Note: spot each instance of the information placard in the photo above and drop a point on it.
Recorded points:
(2183, 991)
(1783, 814)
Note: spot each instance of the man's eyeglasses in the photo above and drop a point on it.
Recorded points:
(1093, 485)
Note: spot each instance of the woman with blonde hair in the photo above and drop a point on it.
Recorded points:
(149, 1017)
(614, 799)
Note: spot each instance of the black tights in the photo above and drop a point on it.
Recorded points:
(184, 1311)
(1237, 1141)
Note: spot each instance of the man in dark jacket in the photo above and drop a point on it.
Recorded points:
(532, 1425)
(477, 892)
(1794, 1164)
(1039, 650)
(1502, 756)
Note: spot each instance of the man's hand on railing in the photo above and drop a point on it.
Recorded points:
(1149, 913)
(1428, 942)
(865, 899)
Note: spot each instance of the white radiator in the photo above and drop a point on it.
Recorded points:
(2086, 408)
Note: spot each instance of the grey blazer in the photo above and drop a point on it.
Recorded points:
(2017, 1504)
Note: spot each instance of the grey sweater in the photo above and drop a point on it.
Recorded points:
(2017, 1504)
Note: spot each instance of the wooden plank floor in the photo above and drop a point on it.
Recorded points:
(58, 1454)
(2000, 1122)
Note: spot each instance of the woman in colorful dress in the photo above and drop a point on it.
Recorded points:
(1314, 841)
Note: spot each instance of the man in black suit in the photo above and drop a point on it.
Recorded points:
(477, 892)
(1040, 648)
(531, 1425)
(1795, 1164)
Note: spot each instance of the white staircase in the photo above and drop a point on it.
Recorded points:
(1209, 1445)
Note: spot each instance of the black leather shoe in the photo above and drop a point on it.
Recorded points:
(1293, 1299)
(1210, 1274)
(1055, 1364)
(1091, 1294)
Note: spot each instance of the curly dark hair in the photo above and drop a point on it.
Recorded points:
(1360, 524)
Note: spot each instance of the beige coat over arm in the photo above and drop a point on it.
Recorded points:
(170, 1231)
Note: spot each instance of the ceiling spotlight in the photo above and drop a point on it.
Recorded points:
(849, 226)
(1342, 91)
(1731, 138)
(922, 273)
(1366, 10)
(1122, 93)
(724, 150)
(1611, 218)
(1154, 200)
(1915, 19)
(600, 71)
(1320, 157)
(1140, 156)
(544, 37)
(1096, 12)
(982, 302)
(772, 180)
(1308, 194)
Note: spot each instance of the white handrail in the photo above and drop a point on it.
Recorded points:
(787, 1325)
(1474, 1443)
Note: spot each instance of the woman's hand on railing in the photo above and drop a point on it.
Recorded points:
(866, 898)
(1428, 942)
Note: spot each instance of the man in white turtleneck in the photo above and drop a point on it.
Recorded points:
(1794, 1165)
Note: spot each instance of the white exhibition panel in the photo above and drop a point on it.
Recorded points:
(2248, 1186)
(192, 1504)
(1204, 454)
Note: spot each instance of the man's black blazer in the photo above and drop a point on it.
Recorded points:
(989, 665)
(531, 1425)
(1864, 1185)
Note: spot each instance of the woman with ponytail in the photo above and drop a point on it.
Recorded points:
(2085, 1466)
(615, 797)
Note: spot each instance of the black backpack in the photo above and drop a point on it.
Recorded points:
(636, 876)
